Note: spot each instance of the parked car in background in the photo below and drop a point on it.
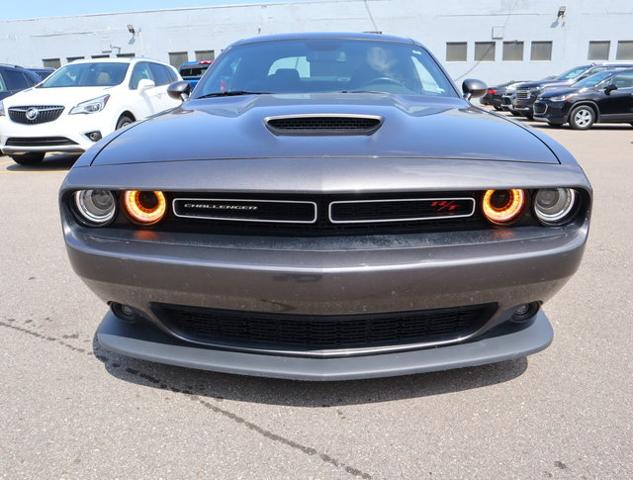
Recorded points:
(14, 79)
(80, 103)
(344, 217)
(41, 72)
(494, 95)
(526, 92)
(192, 72)
(605, 97)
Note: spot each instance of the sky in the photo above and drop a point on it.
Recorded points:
(12, 9)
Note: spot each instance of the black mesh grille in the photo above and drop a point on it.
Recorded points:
(322, 125)
(397, 210)
(45, 113)
(306, 332)
(540, 107)
(38, 141)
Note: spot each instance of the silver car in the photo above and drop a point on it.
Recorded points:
(326, 207)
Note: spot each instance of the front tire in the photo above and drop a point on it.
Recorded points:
(124, 121)
(555, 124)
(27, 159)
(529, 116)
(582, 118)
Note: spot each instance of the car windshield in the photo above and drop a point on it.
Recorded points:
(573, 73)
(326, 65)
(593, 80)
(98, 74)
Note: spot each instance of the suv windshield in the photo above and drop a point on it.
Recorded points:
(326, 65)
(593, 80)
(573, 73)
(100, 74)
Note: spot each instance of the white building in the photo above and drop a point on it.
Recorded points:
(494, 40)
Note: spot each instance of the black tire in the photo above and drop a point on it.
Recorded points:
(27, 159)
(515, 113)
(529, 116)
(555, 124)
(124, 121)
(498, 109)
(582, 117)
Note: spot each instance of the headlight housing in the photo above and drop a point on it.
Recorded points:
(555, 206)
(144, 208)
(91, 106)
(96, 208)
(502, 207)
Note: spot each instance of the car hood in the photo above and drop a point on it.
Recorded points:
(556, 92)
(235, 128)
(67, 96)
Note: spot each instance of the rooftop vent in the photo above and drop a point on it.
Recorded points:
(331, 124)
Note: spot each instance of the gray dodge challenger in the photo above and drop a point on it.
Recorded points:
(326, 207)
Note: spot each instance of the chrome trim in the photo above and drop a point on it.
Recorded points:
(255, 220)
(472, 212)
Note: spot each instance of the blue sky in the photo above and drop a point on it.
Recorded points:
(14, 9)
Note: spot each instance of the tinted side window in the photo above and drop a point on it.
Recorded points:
(15, 80)
(141, 71)
(160, 74)
(623, 81)
(3, 86)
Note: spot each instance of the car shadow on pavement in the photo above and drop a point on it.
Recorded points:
(50, 163)
(220, 386)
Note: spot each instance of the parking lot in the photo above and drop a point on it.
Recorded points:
(71, 410)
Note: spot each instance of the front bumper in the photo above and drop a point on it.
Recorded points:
(523, 105)
(147, 343)
(551, 111)
(32, 138)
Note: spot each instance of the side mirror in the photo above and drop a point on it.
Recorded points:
(609, 88)
(473, 88)
(145, 84)
(179, 90)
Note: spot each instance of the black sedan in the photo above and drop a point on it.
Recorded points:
(605, 97)
(494, 95)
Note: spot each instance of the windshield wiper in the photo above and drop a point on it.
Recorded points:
(231, 93)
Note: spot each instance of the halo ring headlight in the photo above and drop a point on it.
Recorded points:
(502, 207)
(95, 207)
(144, 207)
(553, 206)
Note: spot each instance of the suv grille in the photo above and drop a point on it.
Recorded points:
(324, 125)
(523, 94)
(35, 114)
(305, 334)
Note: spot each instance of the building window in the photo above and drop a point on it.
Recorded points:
(484, 51)
(512, 51)
(205, 55)
(541, 51)
(125, 55)
(72, 59)
(456, 51)
(625, 50)
(176, 59)
(599, 50)
(51, 62)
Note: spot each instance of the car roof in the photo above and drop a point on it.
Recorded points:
(117, 60)
(7, 65)
(377, 37)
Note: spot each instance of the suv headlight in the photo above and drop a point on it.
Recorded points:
(561, 98)
(2, 114)
(91, 106)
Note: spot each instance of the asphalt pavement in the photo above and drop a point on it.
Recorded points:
(69, 410)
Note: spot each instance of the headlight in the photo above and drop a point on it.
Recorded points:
(91, 106)
(561, 98)
(553, 206)
(95, 207)
(1, 109)
(503, 206)
(144, 208)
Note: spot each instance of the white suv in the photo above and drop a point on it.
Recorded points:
(80, 103)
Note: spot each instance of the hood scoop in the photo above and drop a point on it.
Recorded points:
(324, 124)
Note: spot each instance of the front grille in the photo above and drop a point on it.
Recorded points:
(35, 114)
(540, 107)
(38, 141)
(523, 94)
(309, 333)
(324, 125)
